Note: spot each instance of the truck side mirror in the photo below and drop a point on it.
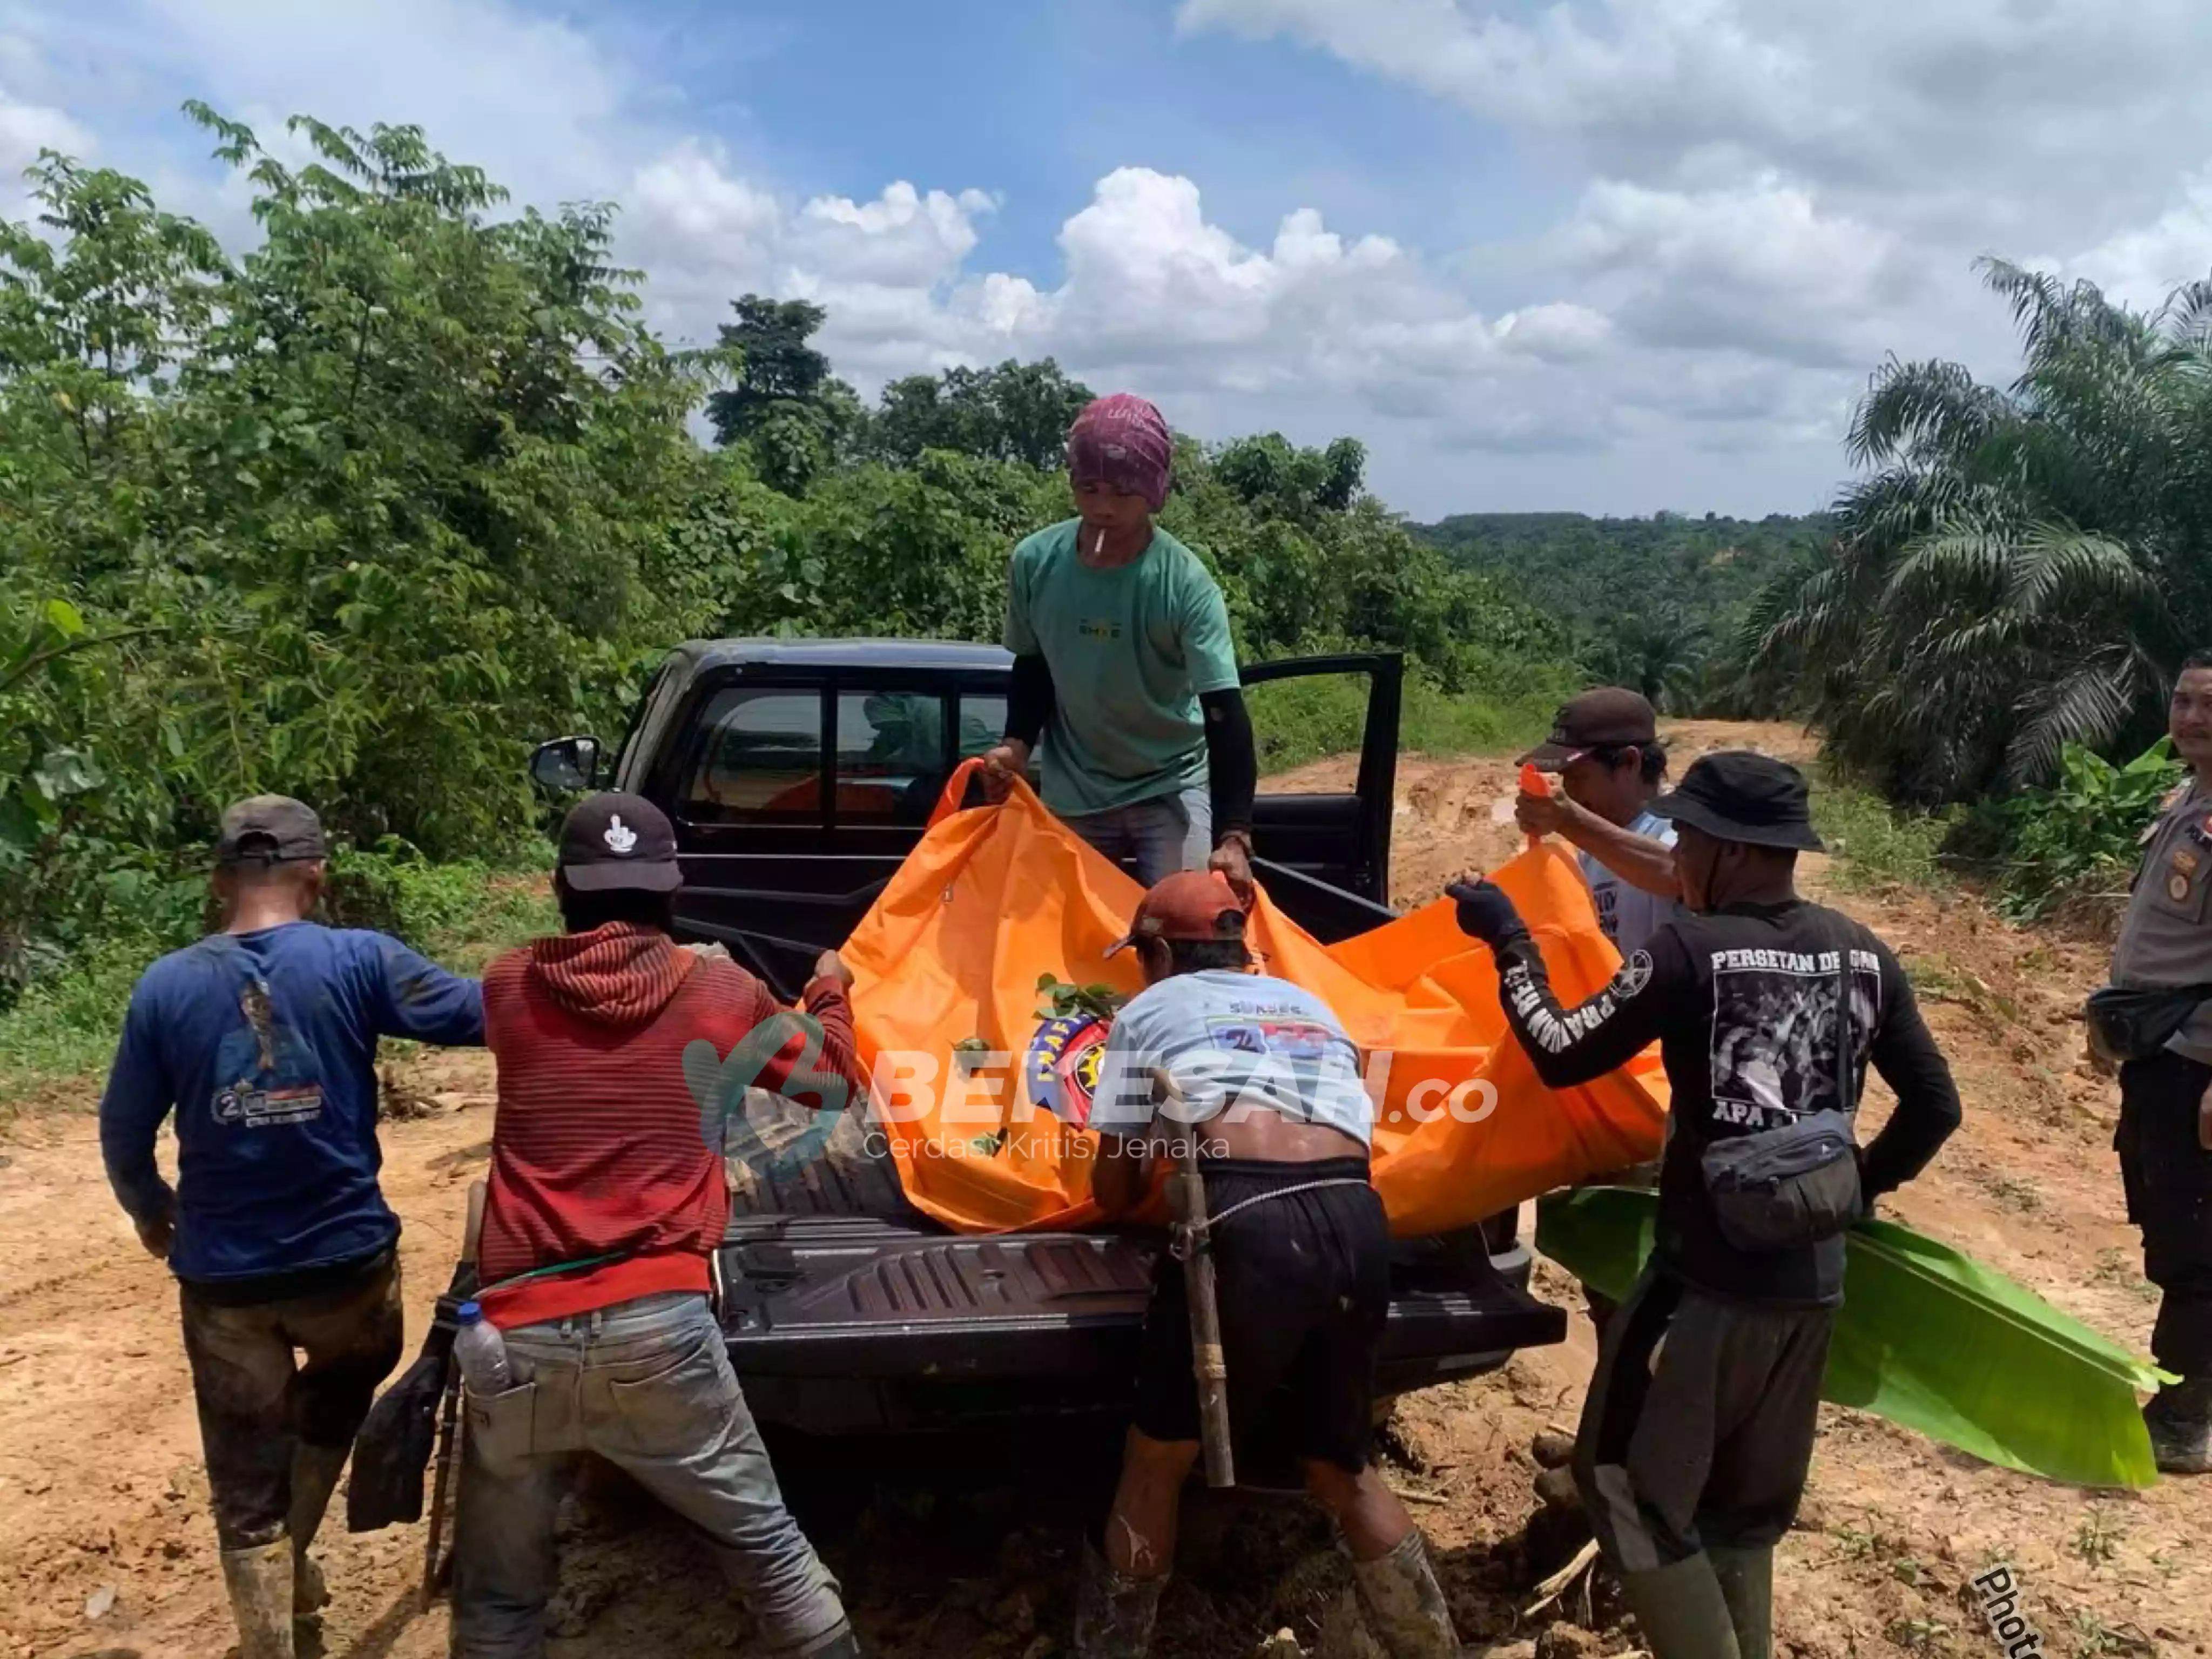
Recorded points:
(566, 765)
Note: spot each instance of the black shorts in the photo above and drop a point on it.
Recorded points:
(1303, 1281)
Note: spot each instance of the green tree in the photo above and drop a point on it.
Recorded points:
(1014, 412)
(368, 506)
(1660, 653)
(795, 417)
(2026, 564)
(360, 513)
(1274, 476)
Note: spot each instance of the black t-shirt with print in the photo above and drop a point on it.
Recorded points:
(1742, 1002)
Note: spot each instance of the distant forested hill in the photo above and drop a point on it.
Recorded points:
(1650, 602)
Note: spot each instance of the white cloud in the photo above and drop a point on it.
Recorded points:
(2144, 265)
(1996, 116)
(1561, 329)
(25, 129)
(1757, 268)
(1758, 199)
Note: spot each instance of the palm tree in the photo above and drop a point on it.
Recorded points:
(2025, 566)
(1659, 653)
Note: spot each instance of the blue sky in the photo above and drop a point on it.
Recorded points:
(1611, 255)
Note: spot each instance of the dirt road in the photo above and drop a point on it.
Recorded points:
(106, 1548)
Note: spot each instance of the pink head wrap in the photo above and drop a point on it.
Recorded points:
(1122, 441)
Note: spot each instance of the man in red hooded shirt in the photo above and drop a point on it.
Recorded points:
(607, 1196)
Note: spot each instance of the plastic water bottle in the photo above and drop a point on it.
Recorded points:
(482, 1352)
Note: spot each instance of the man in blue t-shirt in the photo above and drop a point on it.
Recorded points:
(1605, 747)
(262, 1038)
(1263, 1070)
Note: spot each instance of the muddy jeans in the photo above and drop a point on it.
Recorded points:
(645, 1385)
(257, 1398)
(1167, 833)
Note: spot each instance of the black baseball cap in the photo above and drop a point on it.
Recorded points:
(614, 842)
(1737, 795)
(268, 829)
(1610, 717)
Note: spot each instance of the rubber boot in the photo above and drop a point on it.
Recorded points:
(259, 1581)
(1746, 1578)
(2179, 1420)
(1680, 1611)
(315, 1471)
(1405, 1608)
(1114, 1613)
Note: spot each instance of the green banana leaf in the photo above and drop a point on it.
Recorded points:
(1928, 1339)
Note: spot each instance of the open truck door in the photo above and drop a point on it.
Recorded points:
(1325, 857)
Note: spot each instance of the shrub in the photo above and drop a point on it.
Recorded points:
(2083, 831)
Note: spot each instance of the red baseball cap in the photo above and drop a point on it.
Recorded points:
(1193, 905)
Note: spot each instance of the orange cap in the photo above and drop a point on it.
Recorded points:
(1193, 905)
(1533, 782)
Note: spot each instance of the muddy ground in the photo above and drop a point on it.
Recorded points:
(106, 1548)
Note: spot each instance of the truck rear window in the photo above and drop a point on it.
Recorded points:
(761, 759)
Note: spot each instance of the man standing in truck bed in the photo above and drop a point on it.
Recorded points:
(1124, 668)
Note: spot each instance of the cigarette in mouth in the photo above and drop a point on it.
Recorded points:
(1098, 546)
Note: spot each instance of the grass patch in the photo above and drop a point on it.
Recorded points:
(1876, 845)
(2114, 1268)
(459, 915)
(2096, 1541)
(1295, 722)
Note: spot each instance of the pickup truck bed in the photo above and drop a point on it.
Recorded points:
(800, 774)
(848, 1310)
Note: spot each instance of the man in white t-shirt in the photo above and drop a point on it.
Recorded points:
(1261, 1072)
(1605, 747)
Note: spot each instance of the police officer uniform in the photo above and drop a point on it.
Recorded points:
(2166, 946)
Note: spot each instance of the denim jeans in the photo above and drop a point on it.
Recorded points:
(645, 1385)
(1164, 834)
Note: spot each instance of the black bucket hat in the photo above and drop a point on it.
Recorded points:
(1736, 795)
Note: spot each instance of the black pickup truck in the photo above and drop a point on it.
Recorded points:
(798, 774)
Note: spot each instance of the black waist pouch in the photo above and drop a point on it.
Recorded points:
(2137, 1025)
(1786, 1188)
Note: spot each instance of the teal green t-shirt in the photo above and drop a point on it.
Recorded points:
(1132, 650)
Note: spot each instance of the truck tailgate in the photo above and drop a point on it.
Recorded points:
(819, 1310)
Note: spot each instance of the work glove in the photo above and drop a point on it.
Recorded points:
(1487, 914)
